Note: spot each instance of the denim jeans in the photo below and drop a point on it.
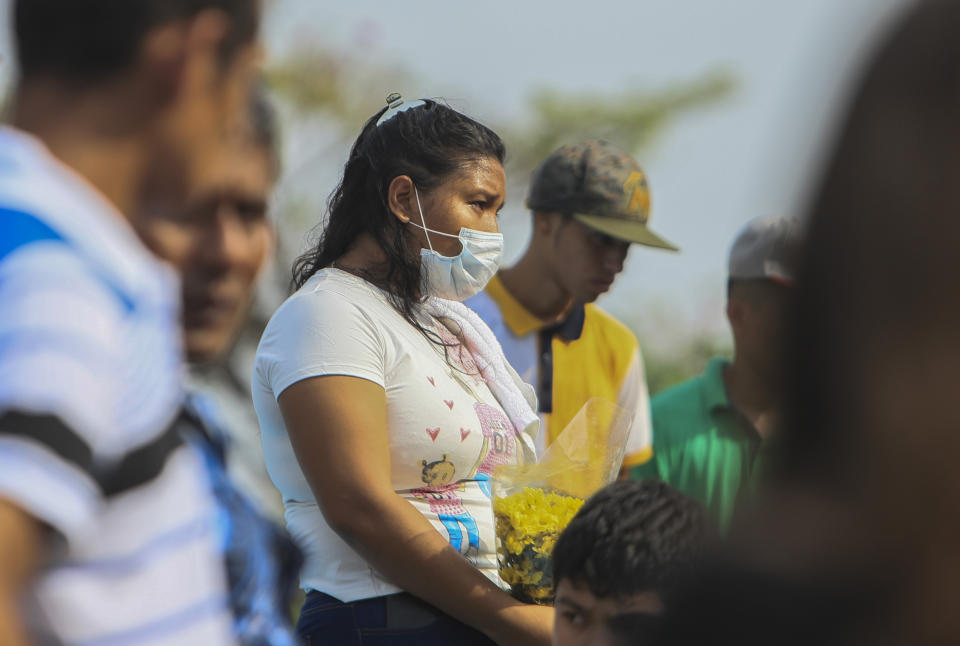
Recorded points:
(397, 619)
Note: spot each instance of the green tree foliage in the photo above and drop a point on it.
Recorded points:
(318, 81)
(632, 119)
(344, 90)
(665, 369)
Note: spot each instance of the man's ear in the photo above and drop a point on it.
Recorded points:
(545, 222)
(736, 313)
(401, 199)
(182, 53)
(163, 61)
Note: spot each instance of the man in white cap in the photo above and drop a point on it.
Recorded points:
(710, 431)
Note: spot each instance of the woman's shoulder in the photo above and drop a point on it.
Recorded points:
(330, 298)
(338, 288)
(330, 282)
(330, 325)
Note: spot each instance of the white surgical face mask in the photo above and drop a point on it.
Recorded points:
(459, 277)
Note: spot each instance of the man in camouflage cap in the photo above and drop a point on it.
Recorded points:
(590, 201)
(600, 186)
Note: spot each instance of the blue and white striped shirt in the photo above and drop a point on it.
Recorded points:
(90, 394)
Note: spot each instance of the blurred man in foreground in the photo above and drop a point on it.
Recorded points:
(619, 560)
(857, 540)
(108, 528)
(219, 244)
(710, 431)
(590, 201)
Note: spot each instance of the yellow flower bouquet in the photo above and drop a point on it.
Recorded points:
(528, 523)
(533, 503)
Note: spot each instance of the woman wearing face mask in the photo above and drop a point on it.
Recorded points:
(385, 404)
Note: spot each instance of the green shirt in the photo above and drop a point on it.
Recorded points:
(702, 445)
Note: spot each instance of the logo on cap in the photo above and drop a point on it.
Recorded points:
(636, 187)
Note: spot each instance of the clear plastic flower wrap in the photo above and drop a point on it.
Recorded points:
(533, 503)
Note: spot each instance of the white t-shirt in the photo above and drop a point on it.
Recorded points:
(446, 430)
(90, 387)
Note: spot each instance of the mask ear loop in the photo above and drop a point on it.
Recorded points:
(422, 221)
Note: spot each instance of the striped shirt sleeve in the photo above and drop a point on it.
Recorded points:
(56, 393)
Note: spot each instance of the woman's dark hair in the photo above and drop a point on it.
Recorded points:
(428, 143)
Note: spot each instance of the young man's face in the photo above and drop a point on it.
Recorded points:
(583, 619)
(585, 262)
(218, 244)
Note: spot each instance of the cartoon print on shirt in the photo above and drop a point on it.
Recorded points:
(499, 443)
(439, 473)
(445, 502)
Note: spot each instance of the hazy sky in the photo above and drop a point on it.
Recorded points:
(711, 171)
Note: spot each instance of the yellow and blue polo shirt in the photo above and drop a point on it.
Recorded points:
(586, 354)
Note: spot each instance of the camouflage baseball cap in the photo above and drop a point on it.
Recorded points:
(601, 186)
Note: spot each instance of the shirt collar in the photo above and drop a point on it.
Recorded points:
(518, 319)
(571, 327)
(522, 322)
(714, 387)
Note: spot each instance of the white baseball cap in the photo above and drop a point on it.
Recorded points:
(766, 248)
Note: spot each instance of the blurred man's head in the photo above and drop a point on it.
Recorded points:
(222, 240)
(873, 379)
(761, 275)
(165, 76)
(623, 553)
(858, 541)
(590, 201)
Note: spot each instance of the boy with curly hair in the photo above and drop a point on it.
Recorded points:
(619, 559)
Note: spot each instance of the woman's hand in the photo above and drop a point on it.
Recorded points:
(523, 625)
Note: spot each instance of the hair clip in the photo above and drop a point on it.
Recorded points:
(396, 105)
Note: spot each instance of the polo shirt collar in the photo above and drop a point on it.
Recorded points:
(522, 322)
(714, 387)
(571, 327)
